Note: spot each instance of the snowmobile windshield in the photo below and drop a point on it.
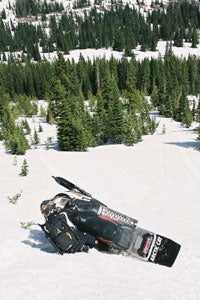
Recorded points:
(61, 200)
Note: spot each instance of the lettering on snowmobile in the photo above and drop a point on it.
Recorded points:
(156, 248)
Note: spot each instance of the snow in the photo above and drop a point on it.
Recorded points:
(108, 53)
(156, 181)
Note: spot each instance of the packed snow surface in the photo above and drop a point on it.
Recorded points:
(156, 181)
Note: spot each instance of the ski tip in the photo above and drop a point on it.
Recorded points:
(54, 178)
(57, 179)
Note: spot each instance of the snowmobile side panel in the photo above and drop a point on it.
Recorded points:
(116, 216)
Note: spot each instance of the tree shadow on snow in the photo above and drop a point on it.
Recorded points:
(37, 239)
(194, 145)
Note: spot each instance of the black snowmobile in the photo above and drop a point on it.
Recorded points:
(80, 222)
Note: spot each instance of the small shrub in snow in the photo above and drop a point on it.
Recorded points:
(27, 225)
(47, 142)
(36, 139)
(14, 199)
(40, 128)
(164, 129)
(15, 161)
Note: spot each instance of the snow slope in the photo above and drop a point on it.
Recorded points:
(156, 181)
(91, 54)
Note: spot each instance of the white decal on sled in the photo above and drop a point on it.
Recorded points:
(155, 249)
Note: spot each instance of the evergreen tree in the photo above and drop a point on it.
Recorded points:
(3, 14)
(193, 77)
(194, 38)
(36, 139)
(71, 133)
(15, 142)
(24, 168)
(12, 135)
(40, 129)
(119, 42)
(155, 99)
(129, 133)
(178, 38)
(186, 115)
(143, 80)
(26, 127)
(4, 102)
(83, 76)
(134, 96)
(100, 119)
(68, 112)
(113, 108)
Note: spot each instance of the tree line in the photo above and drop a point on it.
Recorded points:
(100, 101)
(121, 27)
(24, 8)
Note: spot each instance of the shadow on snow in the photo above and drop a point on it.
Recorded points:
(37, 239)
(195, 145)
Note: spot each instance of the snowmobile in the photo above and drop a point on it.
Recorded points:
(103, 228)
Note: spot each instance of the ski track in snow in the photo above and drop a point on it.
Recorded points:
(156, 181)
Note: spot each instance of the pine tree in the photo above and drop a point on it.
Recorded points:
(12, 135)
(119, 42)
(4, 102)
(100, 119)
(178, 38)
(129, 134)
(194, 38)
(155, 97)
(3, 14)
(56, 94)
(67, 110)
(36, 139)
(134, 96)
(15, 141)
(193, 76)
(186, 115)
(24, 168)
(26, 127)
(143, 78)
(40, 129)
(113, 108)
(83, 75)
(122, 68)
(29, 85)
(71, 133)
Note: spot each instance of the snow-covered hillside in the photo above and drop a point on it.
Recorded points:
(144, 6)
(156, 181)
(90, 54)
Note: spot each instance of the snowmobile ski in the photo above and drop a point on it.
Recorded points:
(71, 186)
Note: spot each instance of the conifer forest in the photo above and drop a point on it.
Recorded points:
(99, 101)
